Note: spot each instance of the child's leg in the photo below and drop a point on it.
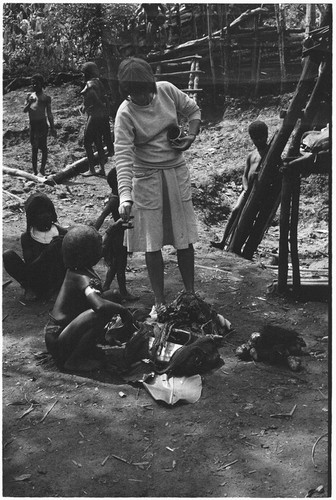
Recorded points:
(110, 274)
(100, 150)
(107, 135)
(121, 263)
(34, 159)
(44, 150)
(231, 221)
(15, 267)
(89, 137)
(78, 340)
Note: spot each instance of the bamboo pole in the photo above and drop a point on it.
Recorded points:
(284, 230)
(294, 220)
(281, 28)
(212, 64)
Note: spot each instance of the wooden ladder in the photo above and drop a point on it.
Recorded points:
(194, 72)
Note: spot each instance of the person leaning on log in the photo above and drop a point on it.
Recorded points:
(258, 131)
(153, 178)
(315, 158)
(97, 127)
(41, 271)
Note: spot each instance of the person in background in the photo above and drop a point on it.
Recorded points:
(38, 107)
(41, 271)
(258, 131)
(153, 178)
(97, 129)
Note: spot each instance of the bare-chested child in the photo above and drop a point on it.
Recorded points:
(259, 133)
(114, 251)
(38, 106)
(81, 310)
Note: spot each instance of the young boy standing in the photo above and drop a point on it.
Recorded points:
(38, 106)
(114, 250)
(259, 133)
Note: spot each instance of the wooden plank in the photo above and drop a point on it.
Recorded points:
(178, 59)
(177, 73)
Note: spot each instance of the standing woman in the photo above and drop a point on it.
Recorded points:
(153, 178)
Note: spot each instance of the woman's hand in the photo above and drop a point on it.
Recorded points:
(184, 143)
(125, 210)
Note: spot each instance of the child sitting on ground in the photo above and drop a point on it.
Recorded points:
(81, 310)
(114, 251)
(41, 272)
(38, 106)
(259, 133)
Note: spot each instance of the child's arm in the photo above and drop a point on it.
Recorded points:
(108, 209)
(29, 100)
(106, 308)
(246, 172)
(91, 99)
(50, 117)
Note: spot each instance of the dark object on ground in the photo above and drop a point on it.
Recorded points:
(274, 345)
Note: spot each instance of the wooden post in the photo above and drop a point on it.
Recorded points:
(212, 64)
(281, 29)
(254, 53)
(310, 17)
(322, 84)
(294, 220)
(284, 230)
(226, 50)
(194, 24)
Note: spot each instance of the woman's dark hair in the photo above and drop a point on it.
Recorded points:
(135, 75)
(37, 204)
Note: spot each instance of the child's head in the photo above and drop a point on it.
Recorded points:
(37, 81)
(258, 131)
(40, 212)
(135, 77)
(90, 70)
(81, 247)
(112, 180)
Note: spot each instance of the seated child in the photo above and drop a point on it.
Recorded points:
(114, 251)
(259, 133)
(81, 310)
(41, 272)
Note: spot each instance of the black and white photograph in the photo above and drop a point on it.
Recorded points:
(166, 250)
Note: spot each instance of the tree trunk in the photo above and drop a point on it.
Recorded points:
(310, 17)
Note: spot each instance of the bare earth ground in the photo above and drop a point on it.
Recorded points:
(59, 428)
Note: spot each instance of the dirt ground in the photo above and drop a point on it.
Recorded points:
(68, 435)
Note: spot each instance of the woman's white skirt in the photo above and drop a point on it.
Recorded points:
(162, 209)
